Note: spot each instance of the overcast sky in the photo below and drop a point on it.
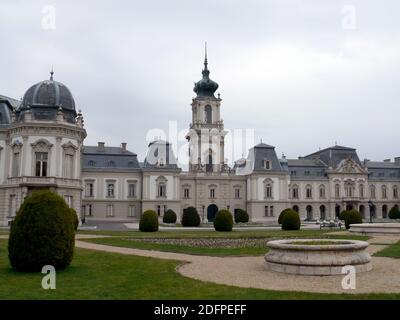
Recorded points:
(303, 74)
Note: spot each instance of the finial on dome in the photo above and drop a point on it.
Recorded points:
(51, 73)
(205, 56)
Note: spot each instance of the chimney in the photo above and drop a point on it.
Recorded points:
(397, 161)
(123, 146)
(386, 160)
(100, 146)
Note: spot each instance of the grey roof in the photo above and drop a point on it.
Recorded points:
(13, 102)
(160, 152)
(108, 159)
(307, 168)
(263, 152)
(382, 165)
(332, 156)
(382, 170)
(305, 163)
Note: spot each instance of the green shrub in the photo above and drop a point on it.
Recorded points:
(241, 216)
(352, 217)
(342, 215)
(282, 214)
(75, 220)
(190, 217)
(291, 220)
(148, 221)
(42, 233)
(394, 213)
(223, 221)
(169, 216)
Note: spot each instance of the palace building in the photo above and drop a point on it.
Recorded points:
(42, 146)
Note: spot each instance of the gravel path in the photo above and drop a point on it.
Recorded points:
(249, 272)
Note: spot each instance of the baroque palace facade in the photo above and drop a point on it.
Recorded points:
(41, 146)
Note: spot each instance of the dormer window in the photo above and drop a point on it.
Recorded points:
(161, 162)
(267, 164)
(111, 164)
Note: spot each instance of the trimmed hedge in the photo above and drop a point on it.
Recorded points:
(342, 215)
(169, 216)
(394, 213)
(190, 217)
(282, 214)
(241, 216)
(223, 221)
(75, 219)
(148, 221)
(351, 217)
(42, 233)
(290, 220)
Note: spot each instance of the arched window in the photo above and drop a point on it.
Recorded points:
(337, 190)
(384, 211)
(161, 187)
(395, 192)
(91, 163)
(294, 192)
(322, 191)
(111, 164)
(208, 114)
(349, 189)
(361, 191)
(209, 165)
(372, 192)
(308, 192)
(268, 190)
(384, 192)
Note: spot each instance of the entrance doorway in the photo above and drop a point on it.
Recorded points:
(212, 210)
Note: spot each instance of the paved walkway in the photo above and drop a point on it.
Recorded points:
(249, 272)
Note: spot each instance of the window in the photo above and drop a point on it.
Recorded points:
(68, 166)
(267, 164)
(384, 192)
(372, 191)
(271, 211)
(131, 211)
(15, 168)
(161, 162)
(268, 191)
(337, 191)
(131, 190)
(13, 206)
(41, 164)
(89, 189)
(322, 192)
(266, 211)
(111, 164)
(306, 173)
(295, 192)
(91, 163)
(208, 114)
(159, 210)
(308, 192)
(110, 189)
(89, 211)
(212, 193)
(110, 210)
(292, 173)
(237, 193)
(68, 200)
(162, 190)
(186, 193)
(361, 191)
(395, 193)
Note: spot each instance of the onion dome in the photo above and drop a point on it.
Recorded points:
(205, 87)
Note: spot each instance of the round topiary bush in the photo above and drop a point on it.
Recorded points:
(223, 221)
(291, 220)
(169, 216)
(42, 233)
(190, 217)
(352, 217)
(241, 216)
(74, 217)
(282, 214)
(148, 221)
(342, 215)
(394, 213)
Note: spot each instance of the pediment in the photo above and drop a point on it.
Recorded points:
(350, 166)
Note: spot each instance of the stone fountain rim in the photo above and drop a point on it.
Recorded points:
(343, 244)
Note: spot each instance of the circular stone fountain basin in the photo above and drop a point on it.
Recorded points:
(376, 228)
(317, 256)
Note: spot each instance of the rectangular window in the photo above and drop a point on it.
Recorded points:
(13, 205)
(395, 193)
(110, 210)
(271, 211)
(68, 200)
(41, 164)
(266, 211)
(267, 164)
(131, 211)
(89, 211)
(295, 193)
(159, 210)
(89, 189)
(237, 193)
(68, 166)
(186, 193)
(212, 193)
(131, 190)
(110, 190)
(162, 190)
(15, 169)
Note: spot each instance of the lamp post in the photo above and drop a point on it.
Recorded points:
(371, 207)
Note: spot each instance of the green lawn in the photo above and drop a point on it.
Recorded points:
(100, 275)
(131, 241)
(392, 251)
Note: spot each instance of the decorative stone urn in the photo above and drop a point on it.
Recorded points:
(317, 256)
